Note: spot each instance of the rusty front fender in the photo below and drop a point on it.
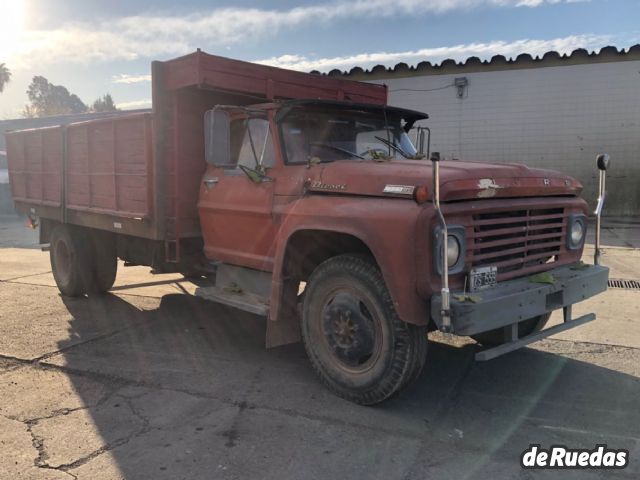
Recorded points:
(386, 226)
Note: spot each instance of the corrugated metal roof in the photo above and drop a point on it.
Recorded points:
(497, 62)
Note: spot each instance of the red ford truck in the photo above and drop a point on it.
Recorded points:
(301, 198)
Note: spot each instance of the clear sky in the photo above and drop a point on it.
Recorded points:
(93, 47)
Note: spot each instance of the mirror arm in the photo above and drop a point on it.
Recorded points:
(602, 161)
(253, 147)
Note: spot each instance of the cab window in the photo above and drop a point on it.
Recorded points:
(331, 134)
(251, 141)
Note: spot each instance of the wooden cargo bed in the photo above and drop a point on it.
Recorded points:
(140, 174)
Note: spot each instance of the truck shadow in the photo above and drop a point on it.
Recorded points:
(204, 396)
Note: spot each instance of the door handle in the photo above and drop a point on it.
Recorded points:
(210, 182)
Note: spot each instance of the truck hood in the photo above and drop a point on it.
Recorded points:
(459, 180)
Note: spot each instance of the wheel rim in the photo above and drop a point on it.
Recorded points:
(351, 330)
(63, 260)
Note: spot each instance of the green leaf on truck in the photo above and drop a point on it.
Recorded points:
(253, 174)
(544, 277)
(579, 266)
(313, 161)
(468, 298)
(233, 287)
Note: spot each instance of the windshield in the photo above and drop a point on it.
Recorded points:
(325, 135)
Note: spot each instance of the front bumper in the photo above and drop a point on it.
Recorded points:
(516, 300)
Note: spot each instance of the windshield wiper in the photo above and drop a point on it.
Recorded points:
(394, 146)
(338, 149)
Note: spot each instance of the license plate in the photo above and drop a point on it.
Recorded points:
(482, 277)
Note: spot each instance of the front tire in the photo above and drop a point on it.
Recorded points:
(359, 347)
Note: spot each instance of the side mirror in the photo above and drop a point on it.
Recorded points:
(217, 137)
(603, 161)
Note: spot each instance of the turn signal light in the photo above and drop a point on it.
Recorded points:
(421, 194)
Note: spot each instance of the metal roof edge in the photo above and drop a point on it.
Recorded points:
(552, 58)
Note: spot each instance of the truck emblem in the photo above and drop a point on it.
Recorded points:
(547, 181)
(328, 186)
(487, 188)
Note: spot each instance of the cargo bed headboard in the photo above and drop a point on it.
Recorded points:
(185, 88)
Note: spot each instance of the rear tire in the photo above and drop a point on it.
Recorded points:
(493, 338)
(105, 261)
(359, 347)
(71, 260)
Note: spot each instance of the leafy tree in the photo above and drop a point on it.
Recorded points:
(5, 76)
(48, 99)
(104, 104)
(29, 112)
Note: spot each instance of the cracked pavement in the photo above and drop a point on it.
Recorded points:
(152, 383)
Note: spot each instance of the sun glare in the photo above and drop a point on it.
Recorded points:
(11, 26)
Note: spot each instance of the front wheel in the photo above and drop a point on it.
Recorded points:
(496, 337)
(356, 342)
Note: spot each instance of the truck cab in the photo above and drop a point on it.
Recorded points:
(299, 188)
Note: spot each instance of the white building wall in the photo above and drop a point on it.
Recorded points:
(552, 117)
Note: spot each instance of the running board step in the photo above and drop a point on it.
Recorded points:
(248, 302)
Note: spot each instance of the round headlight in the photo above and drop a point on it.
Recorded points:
(453, 250)
(577, 232)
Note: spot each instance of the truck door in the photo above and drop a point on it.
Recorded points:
(236, 212)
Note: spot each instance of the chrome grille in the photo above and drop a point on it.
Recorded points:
(517, 240)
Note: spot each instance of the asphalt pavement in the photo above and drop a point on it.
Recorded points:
(150, 382)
